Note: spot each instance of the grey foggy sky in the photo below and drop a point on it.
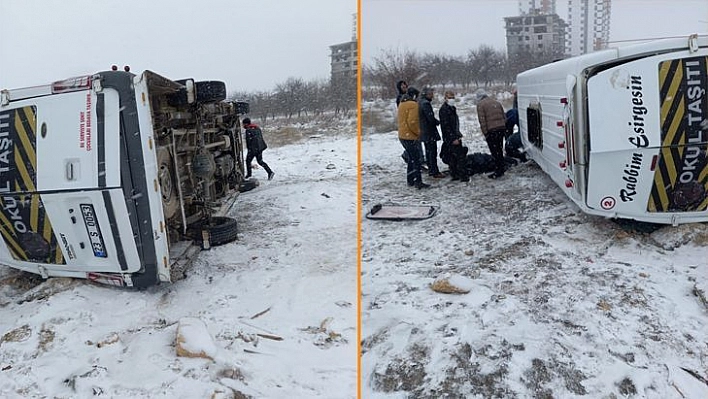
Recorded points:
(251, 45)
(455, 26)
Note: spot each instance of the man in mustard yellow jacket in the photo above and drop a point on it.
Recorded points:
(409, 134)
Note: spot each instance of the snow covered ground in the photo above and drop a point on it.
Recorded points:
(562, 304)
(276, 310)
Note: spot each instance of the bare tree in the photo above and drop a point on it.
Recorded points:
(486, 63)
(391, 66)
(299, 98)
(342, 95)
(524, 60)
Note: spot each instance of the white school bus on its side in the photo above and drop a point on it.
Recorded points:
(113, 176)
(624, 131)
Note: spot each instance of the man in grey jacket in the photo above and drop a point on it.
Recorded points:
(429, 131)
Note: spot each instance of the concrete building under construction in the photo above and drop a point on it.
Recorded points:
(537, 6)
(344, 58)
(587, 23)
(535, 33)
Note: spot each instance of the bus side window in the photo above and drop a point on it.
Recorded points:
(535, 132)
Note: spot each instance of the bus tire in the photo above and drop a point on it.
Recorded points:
(210, 91)
(221, 230)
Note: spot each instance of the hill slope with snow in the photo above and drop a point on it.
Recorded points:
(275, 310)
(561, 304)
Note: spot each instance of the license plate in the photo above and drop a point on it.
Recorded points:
(94, 232)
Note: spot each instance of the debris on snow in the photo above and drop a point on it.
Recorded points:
(270, 336)
(687, 383)
(452, 284)
(19, 334)
(111, 339)
(96, 372)
(259, 314)
(604, 305)
(193, 339)
(324, 336)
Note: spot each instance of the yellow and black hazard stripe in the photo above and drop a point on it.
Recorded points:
(681, 177)
(24, 224)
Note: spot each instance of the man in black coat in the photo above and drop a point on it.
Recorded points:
(401, 88)
(429, 131)
(255, 144)
(452, 152)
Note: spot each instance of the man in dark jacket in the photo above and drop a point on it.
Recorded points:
(429, 131)
(492, 121)
(402, 88)
(452, 152)
(255, 144)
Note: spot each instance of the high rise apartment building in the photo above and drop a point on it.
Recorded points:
(588, 26)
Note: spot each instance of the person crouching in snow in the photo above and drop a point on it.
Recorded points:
(255, 146)
(409, 134)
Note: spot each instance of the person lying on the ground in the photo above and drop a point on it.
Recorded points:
(479, 162)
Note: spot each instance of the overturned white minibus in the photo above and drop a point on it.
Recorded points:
(114, 176)
(624, 131)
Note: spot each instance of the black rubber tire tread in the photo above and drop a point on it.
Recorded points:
(210, 91)
(222, 230)
(247, 185)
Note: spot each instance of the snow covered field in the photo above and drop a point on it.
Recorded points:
(562, 304)
(279, 304)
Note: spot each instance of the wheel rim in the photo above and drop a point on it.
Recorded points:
(165, 178)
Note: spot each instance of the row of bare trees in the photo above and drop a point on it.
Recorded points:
(481, 67)
(297, 98)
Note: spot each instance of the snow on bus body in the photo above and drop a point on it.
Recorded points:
(71, 205)
(624, 131)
